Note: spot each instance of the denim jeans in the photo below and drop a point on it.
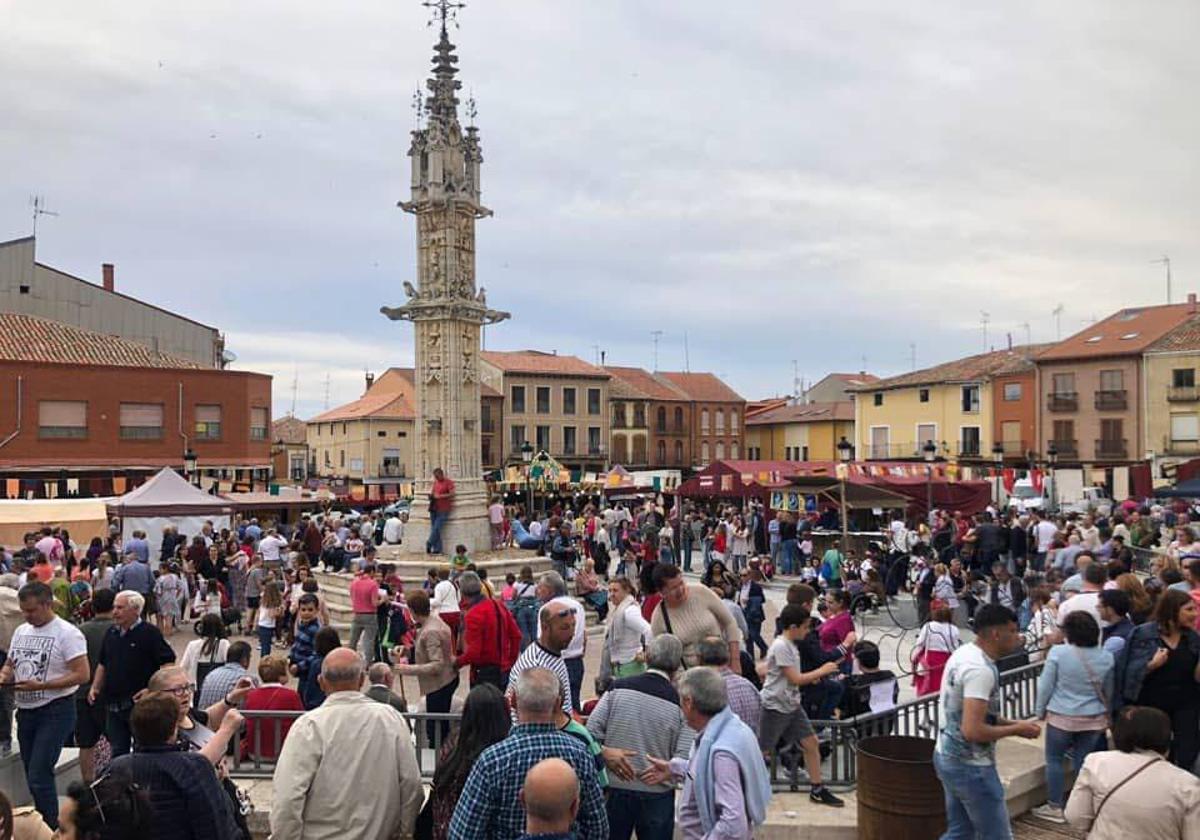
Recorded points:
(364, 627)
(652, 815)
(687, 555)
(975, 808)
(266, 635)
(42, 732)
(789, 553)
(437, 519)
(116, 728)
(1058, 743)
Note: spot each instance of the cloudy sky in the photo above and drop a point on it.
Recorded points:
(830, 183)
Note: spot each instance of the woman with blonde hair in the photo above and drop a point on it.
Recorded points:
(1140, 604)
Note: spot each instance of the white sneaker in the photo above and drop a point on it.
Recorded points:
(1049, 813)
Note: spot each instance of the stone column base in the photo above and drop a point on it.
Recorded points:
(468, 523)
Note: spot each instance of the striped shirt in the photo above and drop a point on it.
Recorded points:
(743, 699)
(642, 714)
(536, 656)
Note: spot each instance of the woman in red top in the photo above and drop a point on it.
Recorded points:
(838, 623)
(265, 735)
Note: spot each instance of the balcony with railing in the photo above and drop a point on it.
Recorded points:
(1015, 448)
(1111, 401)
(1065, 447)
(1183, 393)
(1112, 448)
(1180, 447)
(889, 451)
(1064, 401)
(391, 469)
(969, 449)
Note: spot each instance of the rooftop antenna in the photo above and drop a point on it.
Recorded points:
(657, 335)
(596, 349)
(443, 12)
(985, 318)
(295, 389)
(1057, 313)
(687, 364)
(797, 391)
(1028, 333)
(1166, 261)
(38, 203)
(326, 391)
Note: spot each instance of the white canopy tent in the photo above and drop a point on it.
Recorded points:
(169, 499)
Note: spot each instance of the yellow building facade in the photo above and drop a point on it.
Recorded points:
(803, 432)
(1172, 403)
(896, 422)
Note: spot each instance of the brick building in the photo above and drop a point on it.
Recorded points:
(88, 414)
(717, 417)
(650, 420)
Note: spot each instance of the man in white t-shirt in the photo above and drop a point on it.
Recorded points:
(393, 529)
(271, 545)
(1094, 577)
(1044, 531)
(47, 662)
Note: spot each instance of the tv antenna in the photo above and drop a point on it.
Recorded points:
(657, 335)
(295, 389)
(1057, 313)
(38, 203)
(984, 319)
(912, 352)
(326, 391)
(687, 362)
(1165, 261)
(1028, 333)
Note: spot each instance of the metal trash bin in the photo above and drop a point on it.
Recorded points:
(899, 794)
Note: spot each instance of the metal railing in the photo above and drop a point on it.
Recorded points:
(1183, 393)
(1112, 448)
(1068, 447)
(390, 470)
(1180, 447)
(1066, 401)
(1111, 400)
(919, 718)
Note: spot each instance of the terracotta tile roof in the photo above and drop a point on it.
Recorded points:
(754, 407)
(382, 405)
(969, 369)
(290, 430)
(702, 387)
(27, 338)
(1184, 337)
(804, 413)
(851, 378)
(638, 383)
(536, 361)
(1125, 333)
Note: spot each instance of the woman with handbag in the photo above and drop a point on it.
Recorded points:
(1132, 791)
(1074, 697)
(937, 639)
(628, 631)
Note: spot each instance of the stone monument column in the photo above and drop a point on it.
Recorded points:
(448, 311)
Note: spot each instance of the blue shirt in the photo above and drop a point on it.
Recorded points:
(488, 807)
(139, 547)
(136, 576)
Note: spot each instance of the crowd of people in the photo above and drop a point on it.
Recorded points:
(693, 711)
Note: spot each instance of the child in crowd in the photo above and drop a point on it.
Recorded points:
(308, 622)
(784, 724)
(509, 593)
(269, 614)
(870, 691)
(459, 562)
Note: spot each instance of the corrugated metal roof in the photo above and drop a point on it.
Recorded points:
(27, 338)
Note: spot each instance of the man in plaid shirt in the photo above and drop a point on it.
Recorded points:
(489, 808)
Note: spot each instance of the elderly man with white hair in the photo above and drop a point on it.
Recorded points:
(132, 650)
(348, 768)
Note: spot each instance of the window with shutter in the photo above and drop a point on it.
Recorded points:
(258, 424)
(1185, 427)
(62, 419)
(141, 421)
(208, 422)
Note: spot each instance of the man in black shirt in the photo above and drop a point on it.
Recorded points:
(131, 652)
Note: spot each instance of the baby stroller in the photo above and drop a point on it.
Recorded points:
(211, 597)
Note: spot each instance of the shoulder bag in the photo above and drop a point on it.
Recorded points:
(1122, 784)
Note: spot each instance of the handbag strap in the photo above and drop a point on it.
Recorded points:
(1096, 687)
(666, 616)
(1122, 784)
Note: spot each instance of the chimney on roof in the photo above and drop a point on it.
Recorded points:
(1192, 302)
(109, 281)
(370, 380)
(603, 354)
(1010, 341)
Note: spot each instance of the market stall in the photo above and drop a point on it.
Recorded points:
(82, 518)
(169, 499)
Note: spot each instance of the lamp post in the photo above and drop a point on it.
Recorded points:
(998, 457)
(1051, 460)
(929, 452)
(527, 457)
(189, 465)
(844, 450)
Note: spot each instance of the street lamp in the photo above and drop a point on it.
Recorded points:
(1051, 460)
(527, 457)
(929, 452)
(189, 465)
(844, 449)
(998, 457)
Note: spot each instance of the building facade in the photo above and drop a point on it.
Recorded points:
(103, 413)
(27, 287)
(559, 404)
(1169, 369)
(650, 420)
(952, 405)
(289, 450)
(715, 417)
(801, 432)
(1092, 386)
